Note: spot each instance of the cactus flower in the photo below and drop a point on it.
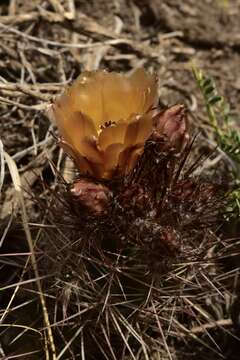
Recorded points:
(104, 120)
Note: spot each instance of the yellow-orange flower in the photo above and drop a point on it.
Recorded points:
(105, 118)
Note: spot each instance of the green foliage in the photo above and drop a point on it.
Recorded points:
(227, 136)
(233, 207)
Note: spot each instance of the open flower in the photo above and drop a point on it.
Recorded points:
(104, 120)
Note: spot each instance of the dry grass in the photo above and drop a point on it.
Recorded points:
(192, 310)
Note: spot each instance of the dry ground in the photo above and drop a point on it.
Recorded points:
(46, 44)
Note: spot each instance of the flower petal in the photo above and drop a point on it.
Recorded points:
(145, 128)
(133, 159)
(73, 124)
(82, 163)
(78, 130)
(88, 148)
(85, 96)
(144, 87)
(139, 130)
(117, 92)
(124, 96)
(112, 134)
(131, 133)
(111, 157)
(128, 158)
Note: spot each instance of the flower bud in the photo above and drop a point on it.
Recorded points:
(94, 197)
(171, 126)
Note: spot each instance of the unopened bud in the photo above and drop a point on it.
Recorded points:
(94, 197)
(171, 125)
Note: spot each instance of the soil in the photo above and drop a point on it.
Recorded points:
(38, 58)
